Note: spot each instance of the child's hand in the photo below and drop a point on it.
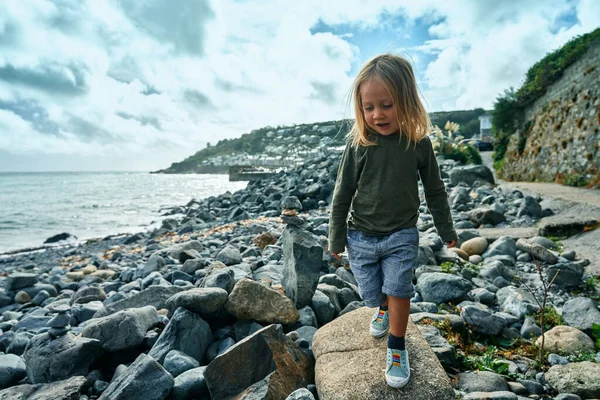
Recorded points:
(336, 256)
(452, 243)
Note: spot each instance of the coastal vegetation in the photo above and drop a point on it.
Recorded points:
(508, 112)
(288, 141)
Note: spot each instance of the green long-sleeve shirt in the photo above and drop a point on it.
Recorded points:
(379, 186)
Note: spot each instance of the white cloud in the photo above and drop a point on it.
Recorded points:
(154, 80)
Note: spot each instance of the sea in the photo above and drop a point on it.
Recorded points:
(37, 205)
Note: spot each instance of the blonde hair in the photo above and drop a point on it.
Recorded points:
(396, 75)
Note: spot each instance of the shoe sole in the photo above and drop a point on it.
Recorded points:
(397, 385)
(377, 334)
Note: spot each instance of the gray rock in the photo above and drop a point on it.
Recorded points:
(48, 359)
(545, 242)
(302, 259)
(482, 321)
(190, 384)
(425, 256)
(482, 295)
(581, 313)
(133, 384)
(301, 394)
(576, 378)
(517, 388)
(12, 370)
(19, 280)
(567, 396)
(504, 245)
(221, 279)
(154, 263)
(33, 323)
(87, 294)
(536, 251)
(122, 330)
(203, 301)
(423, 306)
(291, 203)
(156, 296)
(486, 215)
(530, 329)
(307, 317)
(481, 381)
(440, 346)
(516, 301)
(186, 332)
(307, 333)
(252, 300)
(471, 173)
(439, 288)
(60, 390)
(530, 206)
(267, 356)
(40, 297)
(229, 255)
(499, 395)
(177, 362)
(323, 308)
(532, 386)
(555, 359)
(569, 274)
(346, 275)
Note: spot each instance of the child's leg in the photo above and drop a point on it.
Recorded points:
(399, 310)
(397, 267)
(365, 265)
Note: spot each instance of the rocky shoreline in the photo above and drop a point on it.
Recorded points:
(224, 299)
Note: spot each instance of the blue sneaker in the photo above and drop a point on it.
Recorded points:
(380, 323)
(397, 372)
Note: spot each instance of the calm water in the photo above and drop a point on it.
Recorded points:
(37, 205)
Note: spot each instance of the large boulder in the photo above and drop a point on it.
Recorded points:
(122, 330)
(267, 362)
(145, 379)
(66, 389)
(516, 301)
(582, 379)
(49, 359)
(203, 301)
(156, 296)
(186, 332)
(471, 173)
(252, 300)
(351, 363)
(302, 259)
(438, 287)
(565, 340)
(581, 313)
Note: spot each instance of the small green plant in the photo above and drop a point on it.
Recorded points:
(447, 267)
(582, 356)
(592, 282)
(596, 334)
(487, 362)
(551, 318)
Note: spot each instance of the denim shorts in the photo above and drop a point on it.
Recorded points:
(383, 265)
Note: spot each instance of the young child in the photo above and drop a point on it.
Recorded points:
(377, 182)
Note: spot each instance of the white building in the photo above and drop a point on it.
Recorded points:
(485, 127)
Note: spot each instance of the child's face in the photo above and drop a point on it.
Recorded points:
(378, 108)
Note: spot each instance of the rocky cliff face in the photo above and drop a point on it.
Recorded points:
(561, 139)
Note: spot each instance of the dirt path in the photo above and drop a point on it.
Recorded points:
(568, 201)
(572, 194)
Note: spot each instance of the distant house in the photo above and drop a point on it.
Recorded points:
(485, 127)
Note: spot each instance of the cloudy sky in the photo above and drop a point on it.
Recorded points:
(139, 84)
